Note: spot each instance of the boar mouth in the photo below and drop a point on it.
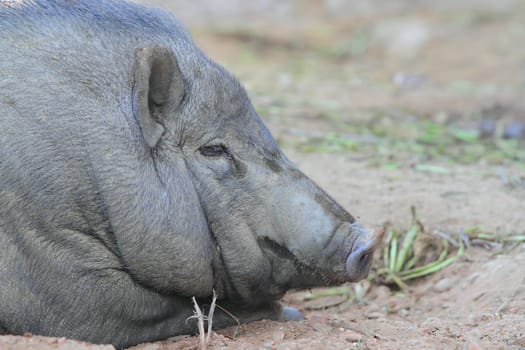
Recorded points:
(310, 276)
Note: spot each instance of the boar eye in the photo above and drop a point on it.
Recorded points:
(215, 151)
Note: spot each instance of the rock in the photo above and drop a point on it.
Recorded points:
(382, 292)
(443, 285)
(321, 327)
(277, 336)
(519, 342)
(375, 315)
(487, 128)
(472, 344)
(514, 130)
(403, 312)
(353, 337)
(409, 80)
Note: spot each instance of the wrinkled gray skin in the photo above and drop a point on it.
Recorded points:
(135, 173)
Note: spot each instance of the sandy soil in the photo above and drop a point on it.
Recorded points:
(442, 61)
(476, 303)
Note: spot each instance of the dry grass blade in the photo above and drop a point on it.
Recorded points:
(233, 317)
(210, 317)
(344, 290)
(204, 337)
(200, 324)
(344, 296)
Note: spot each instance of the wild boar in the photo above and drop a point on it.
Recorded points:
(135, 173)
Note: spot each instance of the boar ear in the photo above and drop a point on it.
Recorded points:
(158, 89)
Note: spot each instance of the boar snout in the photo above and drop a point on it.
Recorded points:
(359, 260)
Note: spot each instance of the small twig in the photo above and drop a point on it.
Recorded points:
(503, 175)
(446, 237)
(502, 307)
(486, 244)
(362, 332)
(210, 316)
(233, 317)
(506, 303)
(200, 323)
(380, 337)
(465, 238)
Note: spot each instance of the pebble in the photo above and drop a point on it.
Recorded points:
(472, 344)
(444, 284)
(403, 312)
(519, 341)
(432, 324)
(514, 130)
(282, 347)
(426, 331)
(487, 128)
(353, 337)
(382, 292)
(277, 336)
(374, 315)
(320, 327)
(455, 333)
(373, 308)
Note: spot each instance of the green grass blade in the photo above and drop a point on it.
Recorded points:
(410, 263)
(343, 291)
(397, 281)
(386, 252)
(418, 269)
(386, 249)
(429, 268)
(435, 266)
(406, 247)
(408, 241)
(515, 238)
(393, 254)
(486, 237)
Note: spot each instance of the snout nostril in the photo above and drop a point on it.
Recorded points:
(364, 258)
(358, 263)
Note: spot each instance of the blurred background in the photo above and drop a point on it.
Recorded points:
(374, 96)
(373, 68)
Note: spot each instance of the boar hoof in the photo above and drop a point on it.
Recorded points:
(291, 314)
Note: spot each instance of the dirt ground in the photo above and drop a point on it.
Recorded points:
(378, 102)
